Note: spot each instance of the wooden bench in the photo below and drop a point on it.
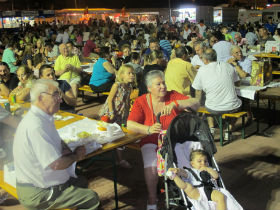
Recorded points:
(12, 190)
(134, 146)
(276, 72)
(86, 88)
(224, 117)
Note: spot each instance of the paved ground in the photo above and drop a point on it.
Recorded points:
(250, 169)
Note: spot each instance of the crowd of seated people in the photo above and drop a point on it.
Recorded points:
(185, 55)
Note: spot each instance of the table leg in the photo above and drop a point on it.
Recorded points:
(221, 130)
(115, 179)
(243, 127)
(90, 161)
(258, 107)
(263, 133)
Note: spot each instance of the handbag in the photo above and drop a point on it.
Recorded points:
(160, 159)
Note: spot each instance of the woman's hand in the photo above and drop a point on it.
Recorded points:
(112, 116)
(166, 110)
(155, 128)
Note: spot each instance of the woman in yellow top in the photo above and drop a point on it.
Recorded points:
(26, 78)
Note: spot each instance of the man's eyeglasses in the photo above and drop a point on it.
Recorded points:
(238, 52)
(56, 94)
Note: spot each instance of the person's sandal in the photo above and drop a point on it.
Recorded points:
(151, 206)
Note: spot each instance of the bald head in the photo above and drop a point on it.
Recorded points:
(236, 52)
(63, 50)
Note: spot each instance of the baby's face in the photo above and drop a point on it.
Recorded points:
(199, 162)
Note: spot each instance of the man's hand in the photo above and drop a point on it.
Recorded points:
(65, 149)
(80, 152)
(68, 67)
(232, 61)
(197, 67)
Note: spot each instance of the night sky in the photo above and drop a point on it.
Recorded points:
(113, 4)
(60, 4)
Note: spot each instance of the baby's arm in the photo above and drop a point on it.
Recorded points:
(211, 171)
(191, 191)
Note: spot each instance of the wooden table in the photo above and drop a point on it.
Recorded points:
(272, 95)
(129, 137)
(269, 55)
(266, 55)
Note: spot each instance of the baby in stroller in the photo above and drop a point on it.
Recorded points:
(199, 184)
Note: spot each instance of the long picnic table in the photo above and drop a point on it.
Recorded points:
(130, 137)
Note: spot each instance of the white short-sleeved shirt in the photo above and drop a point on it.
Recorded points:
(65, 37)
(246, 64)
(37, 145)
(186, 33)
(217, 80)
(201, 28)
(59, 38)
(196, 61)
(222, 49)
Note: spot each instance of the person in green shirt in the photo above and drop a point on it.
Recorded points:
(224, 31)
(9, 57)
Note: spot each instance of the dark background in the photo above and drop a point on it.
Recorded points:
(60, 4)
(118, 4)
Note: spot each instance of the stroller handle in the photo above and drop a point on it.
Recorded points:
(158, 117)
(191, 110)
(187, 108)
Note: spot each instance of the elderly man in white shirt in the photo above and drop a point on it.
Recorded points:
(43, 162)
(242, 64)
(199, 48)
(217, 80)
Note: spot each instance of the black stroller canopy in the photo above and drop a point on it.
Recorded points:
(187, 127)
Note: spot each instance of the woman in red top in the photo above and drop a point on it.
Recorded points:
(89, 46)
(142, 119)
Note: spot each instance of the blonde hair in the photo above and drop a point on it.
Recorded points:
(122, 70)
(196, 152)
(26, 70)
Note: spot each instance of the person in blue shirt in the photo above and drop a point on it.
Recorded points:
(271, 27)
(103, 73)
(164, 43)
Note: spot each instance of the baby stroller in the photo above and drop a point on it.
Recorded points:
(190, 132)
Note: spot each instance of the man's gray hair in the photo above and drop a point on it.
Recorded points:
(151, 75)
(233, 47)
(180, 52)
(200, 43)
(210, 55)
(40, 86)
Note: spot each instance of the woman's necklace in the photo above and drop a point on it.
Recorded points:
(156, 105)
